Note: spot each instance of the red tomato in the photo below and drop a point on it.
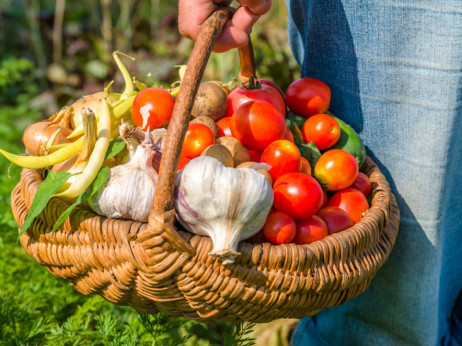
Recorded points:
(310, 230)
(279, 228)
(197, 138)
(322, 129)
(224, 126)
(308, 96)
(336, 169)
(297, 195)
(350, 200)
(325, 199)
(152, 108)
(271, 84)
(229, 110)
(256, 124)
(283, 157)
(255, 156)
(289, 136)
(265, 93)
(363, 184)
(183, 161)
(335, 218)
(305, 166)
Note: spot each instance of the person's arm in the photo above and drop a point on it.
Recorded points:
(192, 13)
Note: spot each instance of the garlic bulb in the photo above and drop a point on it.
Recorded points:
(133, 136)
(129, 189)
(226, 204)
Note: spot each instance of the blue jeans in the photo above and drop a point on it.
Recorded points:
(395, 71)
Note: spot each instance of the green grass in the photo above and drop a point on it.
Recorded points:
(35, 306)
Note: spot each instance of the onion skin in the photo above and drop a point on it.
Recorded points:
(38, 136)
(92, 101)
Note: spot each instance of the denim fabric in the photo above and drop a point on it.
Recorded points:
(395, 71)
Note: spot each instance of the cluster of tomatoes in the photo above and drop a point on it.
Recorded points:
(302, 212)
(309, 202)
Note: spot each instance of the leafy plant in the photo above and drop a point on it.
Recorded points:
(240, 335)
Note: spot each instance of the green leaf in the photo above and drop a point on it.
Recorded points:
(310, 152)
(99, 180)
(114, 148)
(44, 192)
(90, 191)
(297, 119)
(296, 133)
(69, 210)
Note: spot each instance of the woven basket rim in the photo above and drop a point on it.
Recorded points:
(379, 204)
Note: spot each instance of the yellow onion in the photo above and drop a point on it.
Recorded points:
(92, 101)
(39, 136)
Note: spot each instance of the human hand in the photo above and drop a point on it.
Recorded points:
(192, 13)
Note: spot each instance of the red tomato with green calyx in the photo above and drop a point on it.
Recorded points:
(298, 195)
(271, 84)
(197, 138)
(363, 184)
(152, 108)
(336, 169)
(310, 230)
(279, 228)
(283, 157)
(256, 124)
(322, 129)
(308, 96)
(242, 95)
(352, 201)
(335, 218)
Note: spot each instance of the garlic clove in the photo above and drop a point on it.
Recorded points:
(226, 204)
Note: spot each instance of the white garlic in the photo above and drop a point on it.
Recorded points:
(133, 136)
(130, 188)
(226, 204)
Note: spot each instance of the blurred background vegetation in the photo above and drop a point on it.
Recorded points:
(51, 53)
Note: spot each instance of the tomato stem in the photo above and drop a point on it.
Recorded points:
(252, 83)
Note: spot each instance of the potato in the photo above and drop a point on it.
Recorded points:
(221, 153)
(246, 164)
(239, 152)
(267, 175)
(207, 121)
(221, 85)
(264, 172)
(211, 101)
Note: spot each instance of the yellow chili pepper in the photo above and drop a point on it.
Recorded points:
(37, 162)
(83, 180)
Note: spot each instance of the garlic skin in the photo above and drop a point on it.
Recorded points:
(130, 188)
(134, 136)
(226, 204)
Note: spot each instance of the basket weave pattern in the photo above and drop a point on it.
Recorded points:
(133, 263)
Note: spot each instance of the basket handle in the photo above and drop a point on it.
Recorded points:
(163, 206)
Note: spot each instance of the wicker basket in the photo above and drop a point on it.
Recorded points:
(156, 266)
